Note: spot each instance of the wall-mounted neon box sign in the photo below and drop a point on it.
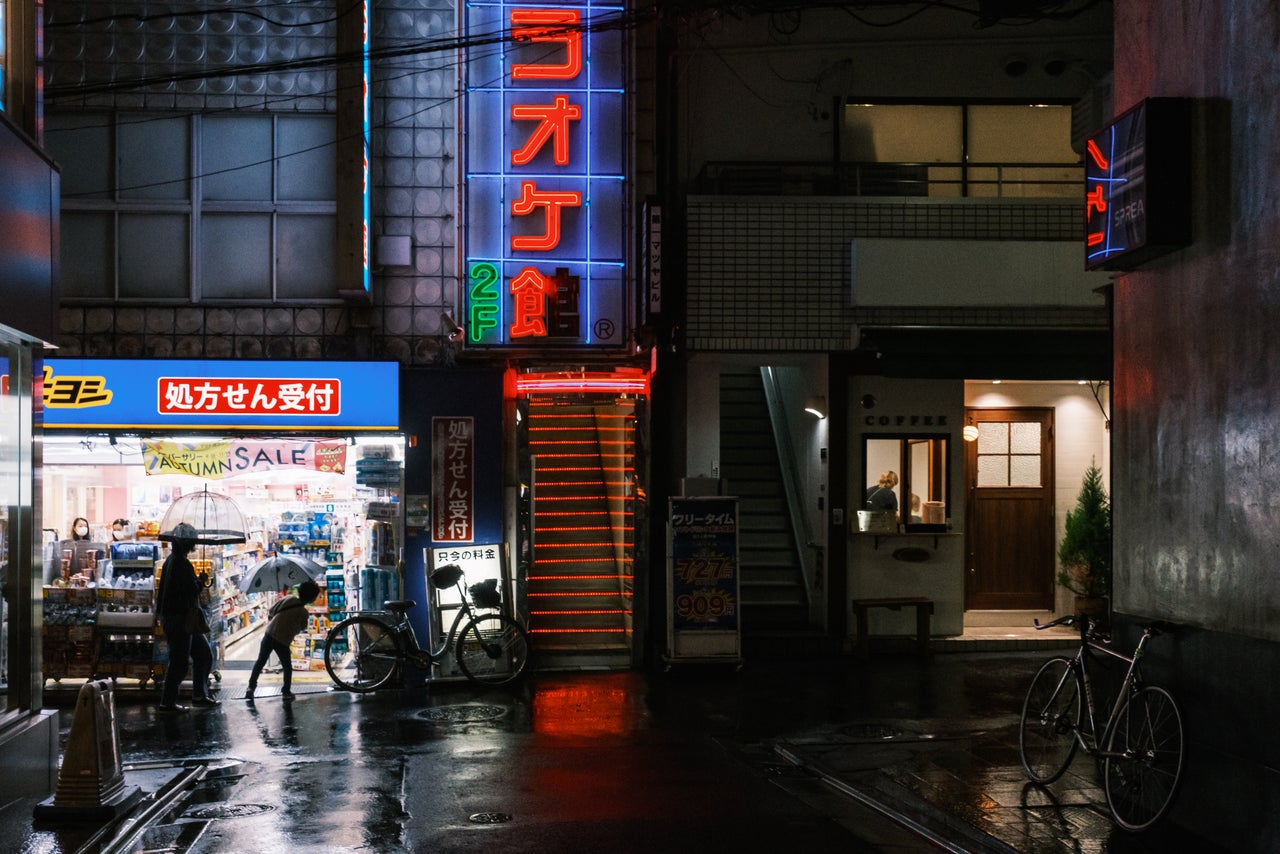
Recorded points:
(1138, 185)
(151, 394)
(545, 176)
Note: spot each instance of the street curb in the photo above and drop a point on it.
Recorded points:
(913, 813)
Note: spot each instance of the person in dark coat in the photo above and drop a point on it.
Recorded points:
(881, 496)
(179, 593)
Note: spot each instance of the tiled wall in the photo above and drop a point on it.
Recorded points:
(414, 164)
(768, 273)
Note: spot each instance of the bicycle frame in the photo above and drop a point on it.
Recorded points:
(403, 629)
(1082, 663)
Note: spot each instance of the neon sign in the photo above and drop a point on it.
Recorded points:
(366, 197)
(1138, 186)
(545, 179)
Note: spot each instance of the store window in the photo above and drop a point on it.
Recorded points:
(333, 502)
(238, 202)
(920, 464)
(971, 150)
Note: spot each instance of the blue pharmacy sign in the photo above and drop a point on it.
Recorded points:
(178, 394)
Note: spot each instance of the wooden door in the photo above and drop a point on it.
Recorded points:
(1009, 531)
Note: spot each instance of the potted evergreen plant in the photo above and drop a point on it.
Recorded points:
(1085, 551)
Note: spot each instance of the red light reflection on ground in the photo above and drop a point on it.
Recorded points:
(601, 708)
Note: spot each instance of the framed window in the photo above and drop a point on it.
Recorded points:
(961, 149)
(196, 208)
(920, 464)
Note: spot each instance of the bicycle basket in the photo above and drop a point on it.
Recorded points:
(485, 593)
(446, 576)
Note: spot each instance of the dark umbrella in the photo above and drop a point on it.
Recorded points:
(278, 572)
(215, 517)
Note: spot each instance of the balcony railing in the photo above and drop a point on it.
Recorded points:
(921, 180)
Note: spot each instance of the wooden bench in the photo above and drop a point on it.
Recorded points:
(924, 610)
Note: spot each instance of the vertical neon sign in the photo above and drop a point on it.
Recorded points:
(366, 98)
(545, 180)
(1137, 185)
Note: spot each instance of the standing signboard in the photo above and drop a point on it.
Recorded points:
(703, 604)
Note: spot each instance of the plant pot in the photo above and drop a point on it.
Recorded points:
(1095, 607)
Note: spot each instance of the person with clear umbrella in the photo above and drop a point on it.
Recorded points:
(177, 604)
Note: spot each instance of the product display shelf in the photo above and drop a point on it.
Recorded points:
(91, 633)
(307, 649)
(69, 632)
(241, 612)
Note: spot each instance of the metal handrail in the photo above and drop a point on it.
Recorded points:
(912, 179)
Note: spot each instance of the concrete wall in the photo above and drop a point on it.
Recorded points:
(764, 87)
(1197, 382)
(890, 271)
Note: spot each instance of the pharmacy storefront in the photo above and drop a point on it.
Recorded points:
(311, 454)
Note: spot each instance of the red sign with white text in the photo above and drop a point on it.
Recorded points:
(184, 395)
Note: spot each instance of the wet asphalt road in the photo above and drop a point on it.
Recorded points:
(591, 761)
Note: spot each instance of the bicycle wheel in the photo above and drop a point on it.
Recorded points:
(1050, 718)
(361, 653)
(1144, 758)
(493, 649)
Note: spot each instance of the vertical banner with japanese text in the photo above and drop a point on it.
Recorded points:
(452, 479)
(704, 555)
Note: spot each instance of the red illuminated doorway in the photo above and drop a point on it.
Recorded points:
(1009, 525)
(580, 523)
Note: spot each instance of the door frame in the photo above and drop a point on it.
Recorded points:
(1046, 416)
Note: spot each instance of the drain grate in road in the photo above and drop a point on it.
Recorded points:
(490, 818)
(228, 811)
(463, 713)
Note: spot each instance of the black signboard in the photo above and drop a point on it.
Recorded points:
(1138, 185)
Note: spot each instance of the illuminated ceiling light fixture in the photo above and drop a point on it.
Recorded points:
(816, 406)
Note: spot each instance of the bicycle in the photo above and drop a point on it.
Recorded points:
(363, 651)
(1140, 743)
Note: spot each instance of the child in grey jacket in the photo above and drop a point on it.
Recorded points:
(288, 617)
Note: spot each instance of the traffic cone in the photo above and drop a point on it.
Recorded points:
(91, 781)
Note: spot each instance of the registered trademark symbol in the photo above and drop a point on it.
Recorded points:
(604, 328)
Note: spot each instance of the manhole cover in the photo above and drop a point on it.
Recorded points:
(875, 732)
(490, 818)
(462, 714)
(229, 811)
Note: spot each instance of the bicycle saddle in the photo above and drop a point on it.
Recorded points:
(399, 605)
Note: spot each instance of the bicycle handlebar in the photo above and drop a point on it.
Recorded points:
(1068, 620)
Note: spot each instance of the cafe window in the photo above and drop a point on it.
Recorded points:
(920, 464)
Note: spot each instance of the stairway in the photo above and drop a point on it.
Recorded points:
(581, 579)
(772, 581)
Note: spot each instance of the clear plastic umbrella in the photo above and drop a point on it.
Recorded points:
(216, 518)
(279, 572)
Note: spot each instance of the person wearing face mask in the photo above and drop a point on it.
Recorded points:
(80, 528)
(120, 530)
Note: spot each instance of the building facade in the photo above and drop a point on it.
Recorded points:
(28, 280)
(881, 212)
(1195, 371)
